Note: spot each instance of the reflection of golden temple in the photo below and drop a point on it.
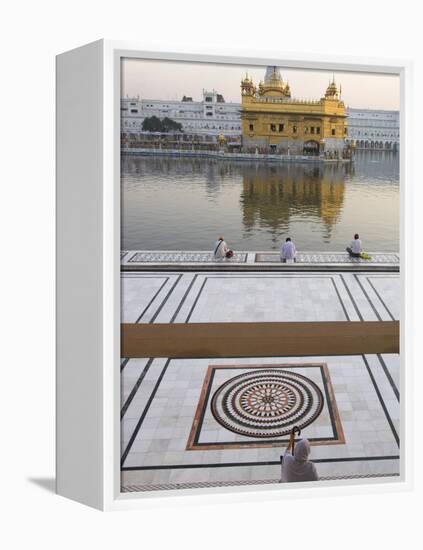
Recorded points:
(274, 122)
(272, 195)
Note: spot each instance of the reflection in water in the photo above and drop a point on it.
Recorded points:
(272, 195)
(170, 203)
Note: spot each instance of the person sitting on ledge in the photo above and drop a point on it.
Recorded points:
(288, 250)
(355, 249)
(221, 249)
(295, 463)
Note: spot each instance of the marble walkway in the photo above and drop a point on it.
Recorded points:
(206, 422)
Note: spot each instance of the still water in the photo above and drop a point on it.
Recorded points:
(184, 204)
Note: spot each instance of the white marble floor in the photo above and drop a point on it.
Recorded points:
(169, 432)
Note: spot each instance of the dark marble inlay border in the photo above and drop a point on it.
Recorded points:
(144, 413)
(126, 360)
(255, 463)
(135, 388)
(357, 310)
(208, 277)
(388, 376)
(380, 297)
(360, 284)
(152, 300)
(381, 401)
(166, 299)
(381, 361)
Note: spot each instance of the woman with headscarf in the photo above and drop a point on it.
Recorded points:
(296, 466)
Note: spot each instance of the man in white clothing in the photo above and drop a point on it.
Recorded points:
(355, 248)
(288, 250)
(220, 249)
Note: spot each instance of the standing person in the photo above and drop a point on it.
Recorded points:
(220, 249)
(355, 249)
(288, 250)
(295, 465)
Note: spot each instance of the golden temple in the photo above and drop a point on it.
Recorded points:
(274, 122)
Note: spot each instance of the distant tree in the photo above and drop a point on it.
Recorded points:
(154, 124)
(170, 125)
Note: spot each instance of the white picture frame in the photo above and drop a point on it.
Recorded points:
(88, 276)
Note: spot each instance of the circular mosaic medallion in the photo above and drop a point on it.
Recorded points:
(267, 403)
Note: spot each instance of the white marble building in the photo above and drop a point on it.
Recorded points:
(212, 115)
(374, 129)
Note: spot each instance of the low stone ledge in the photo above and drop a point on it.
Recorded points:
(330, 258)
(183, 257)
(133, 260)
(239, 157)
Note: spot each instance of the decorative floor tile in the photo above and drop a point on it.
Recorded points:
(244, 406)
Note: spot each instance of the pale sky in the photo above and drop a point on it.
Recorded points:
(172, 80)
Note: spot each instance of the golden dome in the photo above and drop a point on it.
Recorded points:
(247, 80)
(273, 84)
(332, 90)
(247, 86)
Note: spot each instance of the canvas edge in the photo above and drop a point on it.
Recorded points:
(109, 382)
